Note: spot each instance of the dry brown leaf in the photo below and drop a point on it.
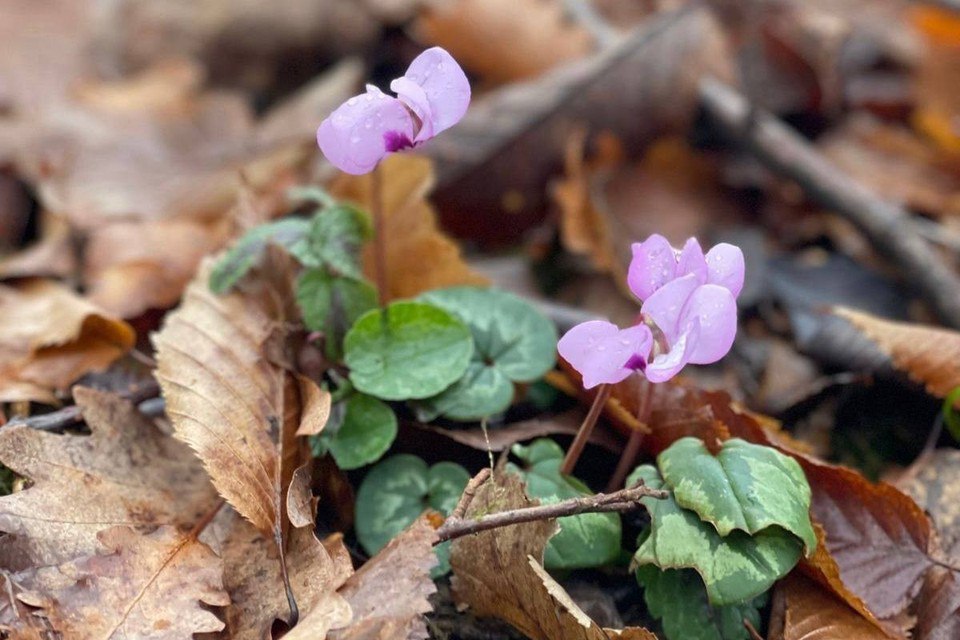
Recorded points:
(49, 337)
(53, 256)
(16, 619)
(809, 613)
(126, 472)
(419, 255)
(504, 40)
(389, 593)
(929, 355)
(253, 579)
(500, 572)
(137, 586)
(938, 607)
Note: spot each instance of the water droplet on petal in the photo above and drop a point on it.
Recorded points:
(352, 102)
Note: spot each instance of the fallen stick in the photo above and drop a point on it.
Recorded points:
(887, 226)
(619, 501)
(144, 395)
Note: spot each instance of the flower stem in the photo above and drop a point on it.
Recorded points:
(379, 235)
(629, 455)
(580, 441)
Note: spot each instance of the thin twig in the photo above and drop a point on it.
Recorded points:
(754, 635)
(468, 492)
(72, 416)
(888, 226)
(586, 15)
(620, 501)
(583, 435)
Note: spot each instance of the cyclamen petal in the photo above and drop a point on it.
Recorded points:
(361, 131)
(691, 260)
(445, 87)
(714, 310)
(667, 365)
(725, 267)
(603, 353)
(653, 265)
(666, 304)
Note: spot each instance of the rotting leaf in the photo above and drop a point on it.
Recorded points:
(419, 256)
(388, 594)
(252, 577)
(499, 572)
(810, 613)
(138, 585)
(126, 471)
(50, 336)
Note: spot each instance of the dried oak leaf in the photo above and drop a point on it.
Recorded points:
(419, 255)
(806, 612)
(389, 593)
(928, 355)
(252, 577)
(504, 40)
(500, 572)
(229, 395)
(126, 472)
(136, 586)
(50, 337)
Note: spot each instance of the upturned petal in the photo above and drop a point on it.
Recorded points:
(714, 309)
(363, 130)
(445, 91)
(601, 351)
(666, 304)
(725, 267)
(667, 365)
(654, 264)
(691, 260)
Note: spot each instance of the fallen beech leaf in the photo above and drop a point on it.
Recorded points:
(125, 472)
(235, 407)
(419, 256)
(934, 486)
(809, 613)
(504, 40)
(49, 337)
(500, 572)
(253, 579)
(929, 355)
(493, 167)
(938, 607)
(52, 257)
(389, 593)
(137, 586)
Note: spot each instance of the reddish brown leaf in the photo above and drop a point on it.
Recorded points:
(125, 472)
(938, 607)
(810, 613)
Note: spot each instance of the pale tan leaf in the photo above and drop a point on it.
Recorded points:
(253, 580)
(500, 572)
(300, 501)
(504, 40)
(929, 355)
(49, 337)
(419, 255)
(137, 586)
(126, 472)
(317, 403)
(226, 399)
(810, 613)
(389, 593)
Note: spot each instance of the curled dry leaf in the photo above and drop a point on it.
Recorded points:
(236, 407)
(809, 613)
(929, 355)
(17, 619)
(125, 472)
(500, 572)
(504, 40)
(253, 579)
(419, 255)
(49, 337)
(492, 168)
(137, 586)
(389, 593)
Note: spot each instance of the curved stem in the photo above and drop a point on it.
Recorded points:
(379, 235)
(586, 428)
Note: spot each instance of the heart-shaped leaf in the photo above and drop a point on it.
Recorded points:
(332, 304)
(410, 350)
(289, 233)
(745, 486)
(336, 237)
(366, 431)
(585, 540)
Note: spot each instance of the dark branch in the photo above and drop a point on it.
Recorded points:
(145, 395)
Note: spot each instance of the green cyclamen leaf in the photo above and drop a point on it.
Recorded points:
(397, 490)
(336, 238)
(514, 343)
(367, 430)
(289, 233)
(677, 598)
(746, 486)
(411, 350)
(332, 304)
(585, 540)
(734, 569)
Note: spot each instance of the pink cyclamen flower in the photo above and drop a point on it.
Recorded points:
(689, 315)
(432, 96)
